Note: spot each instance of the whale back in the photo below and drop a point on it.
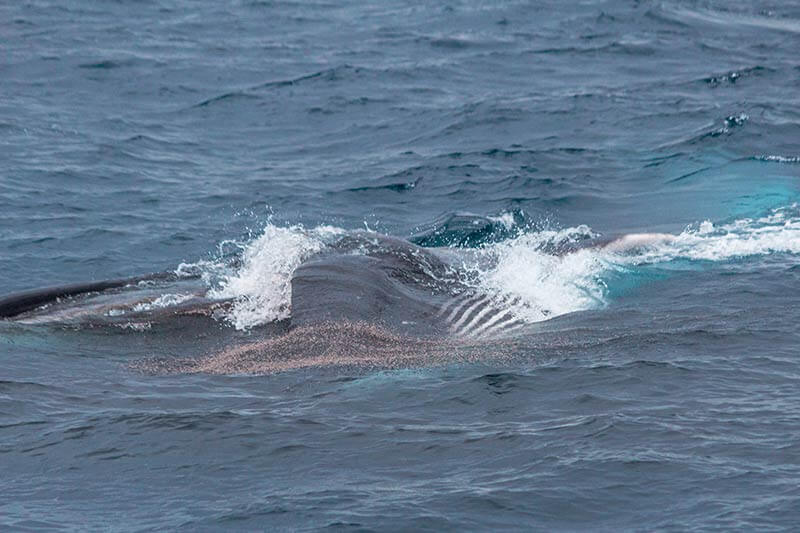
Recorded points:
(358, 288)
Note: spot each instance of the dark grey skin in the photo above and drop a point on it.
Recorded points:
(390, 281)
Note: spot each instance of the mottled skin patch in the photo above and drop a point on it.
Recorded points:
(358, 345)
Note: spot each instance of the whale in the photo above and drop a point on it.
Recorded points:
(18, 303)
(364, 300)
(413, 289)
(360, 277)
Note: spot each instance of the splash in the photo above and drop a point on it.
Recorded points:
(261, 287)
(506, 218)
(523, 274)
(778, 232)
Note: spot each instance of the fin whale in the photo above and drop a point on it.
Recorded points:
(364, 301)
(361, 277)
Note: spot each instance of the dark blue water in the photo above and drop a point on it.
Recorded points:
(659, 390)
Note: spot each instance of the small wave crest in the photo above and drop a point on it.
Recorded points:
(778, 158)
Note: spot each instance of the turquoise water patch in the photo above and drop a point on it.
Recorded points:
(719, 185)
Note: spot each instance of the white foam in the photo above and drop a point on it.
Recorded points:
(136, 326)
(261, 286)
(776, 232)
(207, 270)
(537, 285)
(779, 158)
(542, 285)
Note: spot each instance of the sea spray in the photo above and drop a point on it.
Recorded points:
(262, 286)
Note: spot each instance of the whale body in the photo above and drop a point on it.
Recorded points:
(360, 277)
(364, 300)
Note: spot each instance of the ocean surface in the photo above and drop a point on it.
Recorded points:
(385, 159)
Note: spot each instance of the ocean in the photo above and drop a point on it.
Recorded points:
(396, 265)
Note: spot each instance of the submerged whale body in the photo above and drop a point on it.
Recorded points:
(363, 299)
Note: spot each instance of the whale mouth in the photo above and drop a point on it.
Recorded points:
(132, 303)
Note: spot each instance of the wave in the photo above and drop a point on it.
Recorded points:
(732, 21)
